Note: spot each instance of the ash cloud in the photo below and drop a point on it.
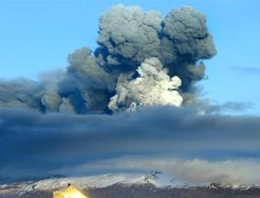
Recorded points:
(175, 140)
(130, 35)
(22, 93)
(186, 28)
(95, 82)
(152, 87)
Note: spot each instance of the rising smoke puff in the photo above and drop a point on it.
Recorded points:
(90, 81)
(152, 87)
(87, 69)
(185, 33)
(20, 93)
(179, 41)
(51, 98)
(129, 34)
(108, 79)
(186, 28)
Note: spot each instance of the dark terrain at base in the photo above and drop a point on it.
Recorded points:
(150, 191)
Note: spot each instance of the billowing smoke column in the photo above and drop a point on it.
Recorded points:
(152, 87)
(142, 60)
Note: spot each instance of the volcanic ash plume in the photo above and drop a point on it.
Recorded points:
(130, 35)
(142, 60)
(153, 86)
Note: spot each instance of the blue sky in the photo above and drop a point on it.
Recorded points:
(37, 36)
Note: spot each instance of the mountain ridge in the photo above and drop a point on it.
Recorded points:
(155, 184)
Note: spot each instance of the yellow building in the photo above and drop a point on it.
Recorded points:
(70, 192)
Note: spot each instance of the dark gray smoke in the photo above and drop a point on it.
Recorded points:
(129, 38)
(20, 93)
(130, 35)
(195, 148)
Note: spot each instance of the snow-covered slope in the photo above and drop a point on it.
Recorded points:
(158, 179)
(125, 180)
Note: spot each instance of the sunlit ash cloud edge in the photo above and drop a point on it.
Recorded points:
(191, 147)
